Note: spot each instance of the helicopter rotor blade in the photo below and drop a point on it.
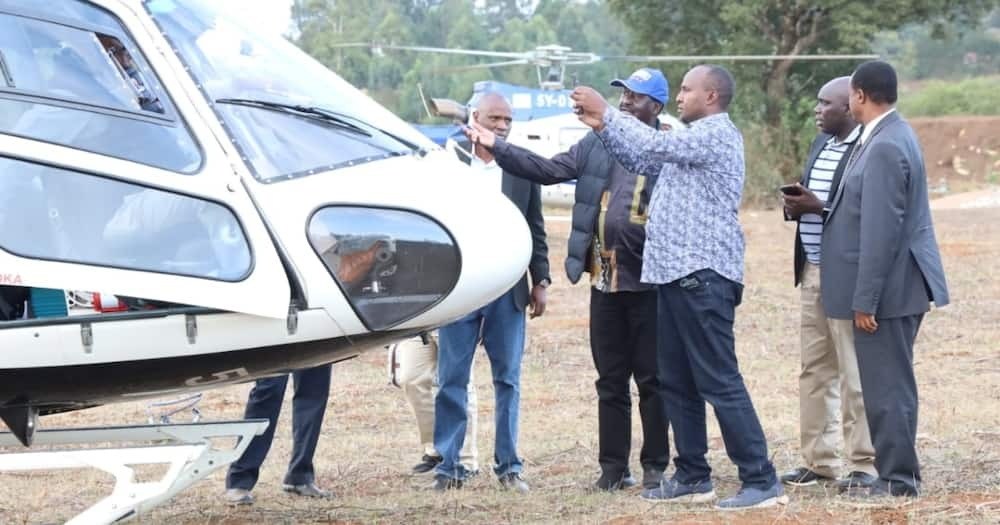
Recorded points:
(456, 69)
(444, 50)
(733, 58)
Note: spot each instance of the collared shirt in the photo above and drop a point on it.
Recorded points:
(491, 172)
(693, 214)
(820, 182)
(869, 127)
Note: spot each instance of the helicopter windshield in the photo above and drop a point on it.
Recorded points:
(279, 105)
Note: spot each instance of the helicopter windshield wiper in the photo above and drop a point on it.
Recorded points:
(334, 114)
(306, 111)
(5, 71)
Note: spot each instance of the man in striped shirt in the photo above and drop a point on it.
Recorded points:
(829, 374)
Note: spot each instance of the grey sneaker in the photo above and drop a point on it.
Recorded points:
(238, 497)
(753, 498)
(673, 491)
(309, 490)
(513, 481)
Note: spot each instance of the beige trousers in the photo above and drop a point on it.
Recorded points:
(829, 381)
(417, 376)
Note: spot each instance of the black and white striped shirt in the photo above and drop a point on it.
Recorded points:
(820, 182)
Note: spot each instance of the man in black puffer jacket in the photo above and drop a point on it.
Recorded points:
(607, 238)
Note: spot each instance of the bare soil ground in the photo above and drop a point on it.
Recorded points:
(962, 153)
(369, 440)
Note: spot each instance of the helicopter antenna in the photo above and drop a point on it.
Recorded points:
(423, 100)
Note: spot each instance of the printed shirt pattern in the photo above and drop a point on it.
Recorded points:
(693, 214)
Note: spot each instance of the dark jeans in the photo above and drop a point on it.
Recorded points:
(697, 360)
(885, 362)
(623, 344)
(312, 387)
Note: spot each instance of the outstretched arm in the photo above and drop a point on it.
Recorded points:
(520, 162)
(640, 148)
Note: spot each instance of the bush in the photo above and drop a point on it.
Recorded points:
(771, 160)
(974, 96)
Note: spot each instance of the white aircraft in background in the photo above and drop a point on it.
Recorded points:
(270, 216)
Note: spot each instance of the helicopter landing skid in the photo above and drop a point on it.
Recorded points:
(187, 448)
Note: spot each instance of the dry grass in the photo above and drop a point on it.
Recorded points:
(369, 440)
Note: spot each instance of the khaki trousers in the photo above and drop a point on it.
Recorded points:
(829, 379)
(417, 376)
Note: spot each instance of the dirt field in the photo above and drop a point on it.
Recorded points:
(369, 440)
(962, 153)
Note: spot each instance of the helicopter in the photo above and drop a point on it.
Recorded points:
(545, 123)
(188, 204)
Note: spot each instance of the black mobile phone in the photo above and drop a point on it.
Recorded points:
(790, 189)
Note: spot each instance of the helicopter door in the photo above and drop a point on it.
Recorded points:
(109, 181)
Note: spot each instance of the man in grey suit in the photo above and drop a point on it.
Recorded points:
(882, 268)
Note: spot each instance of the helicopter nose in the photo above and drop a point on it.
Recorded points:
(490, 233)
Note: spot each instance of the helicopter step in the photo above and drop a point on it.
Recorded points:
(188, 448)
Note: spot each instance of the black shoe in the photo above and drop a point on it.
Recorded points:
(881, 488)
(444, 483)
(427, 464)
(651, 478)
(802, 477)
(613, 483)
(856, 480)
(513, 481)
(309, 490)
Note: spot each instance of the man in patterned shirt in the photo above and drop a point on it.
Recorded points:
(694, 254)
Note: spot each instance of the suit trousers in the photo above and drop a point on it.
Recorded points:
(312, 388)
(885, 360)
(830, 389)
(696, 353)
(623, 345)
(417, 376)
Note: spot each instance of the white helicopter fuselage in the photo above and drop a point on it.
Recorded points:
(302, 223)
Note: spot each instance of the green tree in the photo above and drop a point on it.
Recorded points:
(783, 27)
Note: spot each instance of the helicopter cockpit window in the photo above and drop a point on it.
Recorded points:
(288, 115)
(63, 215)
(79, 82)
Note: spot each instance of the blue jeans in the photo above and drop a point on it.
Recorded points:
(502, 327)
(312, 387)
(697, 363)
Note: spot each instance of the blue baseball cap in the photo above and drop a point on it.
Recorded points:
(646, 81)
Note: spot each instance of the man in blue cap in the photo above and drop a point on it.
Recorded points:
(609, 218)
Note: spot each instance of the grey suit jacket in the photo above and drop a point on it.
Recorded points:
(880, 255)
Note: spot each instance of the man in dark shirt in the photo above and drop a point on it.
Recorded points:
(609, 218)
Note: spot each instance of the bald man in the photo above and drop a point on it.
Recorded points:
(828, 378)
(500, 326)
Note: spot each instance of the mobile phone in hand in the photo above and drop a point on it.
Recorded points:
(790, 189)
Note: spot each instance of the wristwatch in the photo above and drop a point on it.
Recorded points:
(544, 283)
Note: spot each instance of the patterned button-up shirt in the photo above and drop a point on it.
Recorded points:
(693, 214)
